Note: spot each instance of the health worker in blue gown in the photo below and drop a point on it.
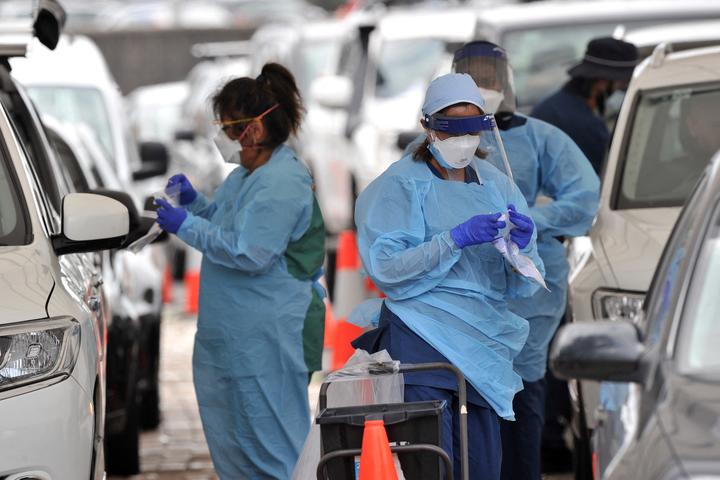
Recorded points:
(545, 163)
(426, 229)
(260, 318)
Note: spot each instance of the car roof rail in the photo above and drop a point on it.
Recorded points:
(657, 57)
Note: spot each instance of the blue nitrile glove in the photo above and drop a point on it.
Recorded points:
(187, 192)
(170, 218)
(524, 226)
(479, 229)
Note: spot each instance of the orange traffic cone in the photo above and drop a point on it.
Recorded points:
(349, 293)
(193, 259)
(329, 336)
(376, 459)
(167, 285)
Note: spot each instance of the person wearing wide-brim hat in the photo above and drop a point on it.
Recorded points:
(579, 106)
(578, 109)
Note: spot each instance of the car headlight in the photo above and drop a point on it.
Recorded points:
(32, 352)
(617, 305)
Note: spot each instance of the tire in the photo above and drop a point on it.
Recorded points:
(150, 395)
(122, 431)
(582, 453)
(122, 450)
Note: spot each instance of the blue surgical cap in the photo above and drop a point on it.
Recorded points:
(449, 90)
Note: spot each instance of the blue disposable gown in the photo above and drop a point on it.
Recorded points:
(455, 299)
(248, 367)
(545, 161)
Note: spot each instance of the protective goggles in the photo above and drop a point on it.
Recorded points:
(237, 127)
(459, 125)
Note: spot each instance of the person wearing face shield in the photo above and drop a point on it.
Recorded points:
(596, 83)
(261, 314)
(544, 161)
(427, 232)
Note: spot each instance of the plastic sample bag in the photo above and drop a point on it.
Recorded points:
(172, 196)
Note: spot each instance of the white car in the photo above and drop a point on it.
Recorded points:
(665, 135)
(155, 111)
(53, 318)
(543, 39)
(82, 91)
(406, 51)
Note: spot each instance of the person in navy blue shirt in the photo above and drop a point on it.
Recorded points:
(578, 107)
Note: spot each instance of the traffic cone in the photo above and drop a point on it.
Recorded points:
(329, 335)
(349, 293)
(167, 285)
(376, 459)
(193, 259)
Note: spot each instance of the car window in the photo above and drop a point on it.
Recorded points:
(699, 334)
(666, 284)
(14, 227)
(316, 58)
(670, 139)
(70, 162)
(404, 64)
(540, 57)
(77, 105)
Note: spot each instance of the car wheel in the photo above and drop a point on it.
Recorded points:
(122, 437)
(122, 449)
(150, 398)
(582, 453)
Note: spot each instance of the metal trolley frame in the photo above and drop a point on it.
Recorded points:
(389, 368)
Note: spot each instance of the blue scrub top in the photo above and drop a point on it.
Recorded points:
(569, 112)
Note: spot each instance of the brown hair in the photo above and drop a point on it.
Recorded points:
(250, 97)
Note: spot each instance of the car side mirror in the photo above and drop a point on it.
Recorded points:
(332, 91)
(185, 135)
(91, 223)
(599, 350)
(155, 160)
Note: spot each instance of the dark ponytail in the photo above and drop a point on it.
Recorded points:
(248, 97)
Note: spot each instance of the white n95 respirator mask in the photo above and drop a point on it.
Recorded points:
(492, 98)
(455, 152)
(229, 150)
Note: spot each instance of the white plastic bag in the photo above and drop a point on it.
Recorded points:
(352, 385)
(510, 250)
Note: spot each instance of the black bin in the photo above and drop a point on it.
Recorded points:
(409, 423)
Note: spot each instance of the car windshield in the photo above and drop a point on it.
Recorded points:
(317, 58)
(77, 105)
(541, 57)
(12, 222)
(406, 63)
(700, 329)
(671, 136)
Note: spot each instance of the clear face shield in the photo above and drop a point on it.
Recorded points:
(487, 64)
(473, 141)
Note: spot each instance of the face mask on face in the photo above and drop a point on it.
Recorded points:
(614, 102)
(493, 99)
(454, 152)
(229, 150)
